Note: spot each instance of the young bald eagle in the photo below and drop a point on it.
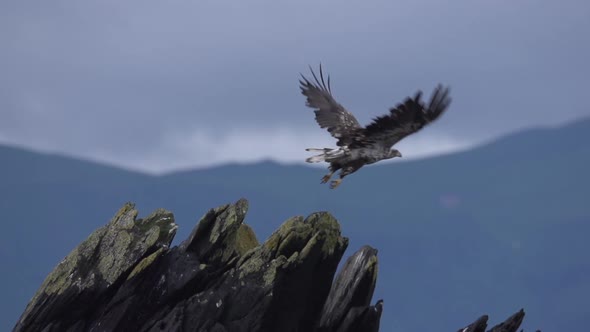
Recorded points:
(359, 146)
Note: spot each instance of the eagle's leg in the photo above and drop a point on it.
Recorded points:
(327, 177)
(346, 170)
(333, 168)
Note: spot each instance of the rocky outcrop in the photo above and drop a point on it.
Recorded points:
(509, 325)
(125, 277)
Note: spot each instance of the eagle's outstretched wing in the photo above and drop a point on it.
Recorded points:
(328, 112)
(404, 119)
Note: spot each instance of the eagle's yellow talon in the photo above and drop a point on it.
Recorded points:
(335, 183)
(326, 177)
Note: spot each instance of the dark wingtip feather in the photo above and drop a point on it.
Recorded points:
(320, 82)
(323, 82)
(439, 101)
(418, 96)
(316, 79)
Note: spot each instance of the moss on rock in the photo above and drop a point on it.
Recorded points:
(245, 239)
(107, 255)
(144, 263)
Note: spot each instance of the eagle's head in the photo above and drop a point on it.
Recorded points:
(393, 153)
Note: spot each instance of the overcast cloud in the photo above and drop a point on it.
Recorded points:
(162, 85)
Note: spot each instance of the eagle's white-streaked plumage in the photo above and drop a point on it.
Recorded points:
(357, 145)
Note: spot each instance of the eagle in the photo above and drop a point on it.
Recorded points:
(357, 145)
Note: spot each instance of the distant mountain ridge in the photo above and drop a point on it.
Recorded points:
(505, 220)
(565, 133)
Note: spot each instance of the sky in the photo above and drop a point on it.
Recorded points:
(157, 86)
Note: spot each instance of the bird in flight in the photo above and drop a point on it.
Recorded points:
(357, 145)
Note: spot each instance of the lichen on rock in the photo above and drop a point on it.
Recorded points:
(220, 235)
(100, 261)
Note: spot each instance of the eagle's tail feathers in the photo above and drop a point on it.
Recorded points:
(316, 159)
(319, 150)
(327, 155)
